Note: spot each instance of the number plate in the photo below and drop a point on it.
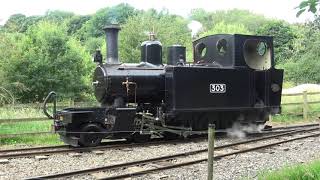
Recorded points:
(218, 88)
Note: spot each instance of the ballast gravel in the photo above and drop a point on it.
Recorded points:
(242, 166)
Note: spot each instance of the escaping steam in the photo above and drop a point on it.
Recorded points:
(239, 131)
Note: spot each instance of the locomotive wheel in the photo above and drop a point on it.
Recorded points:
(88, 139)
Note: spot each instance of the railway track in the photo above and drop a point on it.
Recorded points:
(299, 133)
(32, 149)
(28, 152)
(294, 126)
(48, 150)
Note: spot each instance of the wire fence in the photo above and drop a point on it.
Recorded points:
(304, 105)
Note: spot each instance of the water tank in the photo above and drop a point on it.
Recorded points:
(176, 55)
(151, 52)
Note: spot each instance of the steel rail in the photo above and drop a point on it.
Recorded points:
(33, 148)
(17, 150)
(127, 164)
(110, 145)
(293, 126)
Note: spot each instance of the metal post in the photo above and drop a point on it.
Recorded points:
(305, 105)
(210, 150)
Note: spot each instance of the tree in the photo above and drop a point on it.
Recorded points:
(50, 60)
(94, 43)
(30, 21)
(235, 16)
(305, 67)
(15, 23)
(75, 23)
(9, 42)
(310, 5)
(223, 28)
(169, 29)
(57, 16)
(116, 14)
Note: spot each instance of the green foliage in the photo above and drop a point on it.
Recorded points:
(235, 16)
(94, 43)
(15, 23)
(223, 28)
(169, 30)
(75, 23)
(11, 51)
(116, 14)
(57, 16)
(310, 5)
(305, 67)
(50, 60)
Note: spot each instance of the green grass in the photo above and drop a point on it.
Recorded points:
(20, 112)
(27, 127)
(41, 140)
(308, 171)
(21, 127)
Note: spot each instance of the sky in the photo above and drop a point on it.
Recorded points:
(280, 9)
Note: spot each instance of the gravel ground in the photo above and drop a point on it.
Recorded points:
(234, 167)
(249, 165)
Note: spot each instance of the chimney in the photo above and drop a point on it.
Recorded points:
(112, 43)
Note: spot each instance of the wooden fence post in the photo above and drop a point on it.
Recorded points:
(210, 150)
(305, 105)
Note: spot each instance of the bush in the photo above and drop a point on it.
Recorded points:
(51, 60)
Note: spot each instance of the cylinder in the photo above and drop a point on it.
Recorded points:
(112, 43)
(176, 55)
(151, 52)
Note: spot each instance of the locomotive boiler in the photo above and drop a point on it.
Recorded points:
(232, 79)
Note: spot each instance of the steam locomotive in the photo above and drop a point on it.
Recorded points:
(232, 79)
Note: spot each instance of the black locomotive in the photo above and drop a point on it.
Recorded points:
(232, 79)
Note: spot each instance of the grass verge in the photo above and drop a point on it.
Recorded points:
(28, 127)
(298, 172)
(25, 127)
(41, 140)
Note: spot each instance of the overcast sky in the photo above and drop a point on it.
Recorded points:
(281, 9)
